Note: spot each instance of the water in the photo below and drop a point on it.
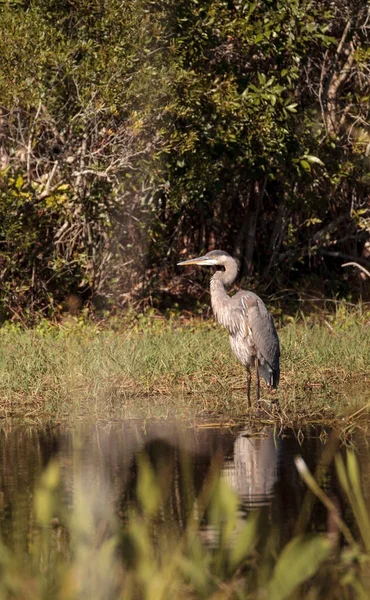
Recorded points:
(103, 458)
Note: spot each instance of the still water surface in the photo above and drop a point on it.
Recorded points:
(257, 464)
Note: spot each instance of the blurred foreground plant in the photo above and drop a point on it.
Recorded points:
(87, 552)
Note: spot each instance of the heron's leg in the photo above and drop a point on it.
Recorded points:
(249, 377)
(257, 381)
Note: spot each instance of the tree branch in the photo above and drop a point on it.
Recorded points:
(355, 264)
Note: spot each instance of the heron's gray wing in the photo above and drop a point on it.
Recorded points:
(261, 324)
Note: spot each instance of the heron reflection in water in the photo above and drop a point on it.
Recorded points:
(251, 328)
(253, 470)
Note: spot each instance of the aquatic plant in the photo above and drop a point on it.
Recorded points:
(85, 549)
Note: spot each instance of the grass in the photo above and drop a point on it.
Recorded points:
(165, 368)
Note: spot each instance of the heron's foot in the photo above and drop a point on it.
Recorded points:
(271, 404)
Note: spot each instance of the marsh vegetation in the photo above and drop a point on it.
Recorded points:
(154, 367)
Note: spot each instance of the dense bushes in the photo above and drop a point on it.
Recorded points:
(133, 130)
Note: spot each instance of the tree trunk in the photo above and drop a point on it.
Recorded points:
(277, 236)
(246, 238)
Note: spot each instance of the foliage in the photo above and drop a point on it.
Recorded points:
(130, 131)
(82, 548)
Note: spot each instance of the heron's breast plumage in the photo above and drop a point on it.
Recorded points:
(243, 347)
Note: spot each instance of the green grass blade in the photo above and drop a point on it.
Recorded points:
(299, 561)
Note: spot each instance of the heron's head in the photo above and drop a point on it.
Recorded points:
(215, 258)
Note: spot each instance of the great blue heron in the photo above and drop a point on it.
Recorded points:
(253, 336)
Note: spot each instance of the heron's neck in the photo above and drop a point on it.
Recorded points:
(225, 278)
(219, 297)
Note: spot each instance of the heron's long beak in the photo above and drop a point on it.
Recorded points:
(203, 261)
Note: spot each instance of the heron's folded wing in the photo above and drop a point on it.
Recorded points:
(262, 327)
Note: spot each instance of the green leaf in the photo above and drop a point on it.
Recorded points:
(19, 182)
(299, 561)
(313, 159)
(292, 107)
(45, 494)
(305, 165)
(245, 540)
(148, 490)
(223, 509)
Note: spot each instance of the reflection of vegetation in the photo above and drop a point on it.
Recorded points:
(87, 552)
(150, 367)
